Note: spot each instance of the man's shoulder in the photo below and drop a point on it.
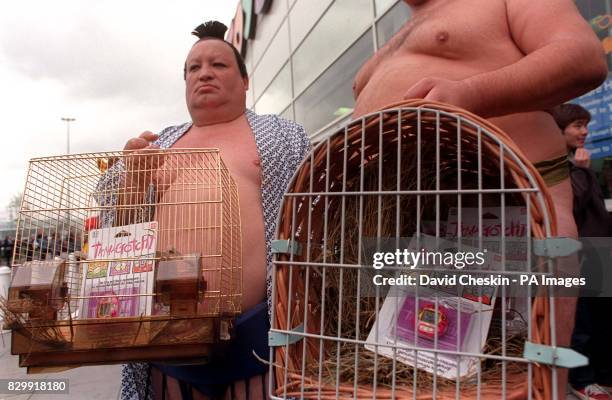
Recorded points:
(286, 137)
(271, 118)
(174, 128)
(171, 134)
(275, 123)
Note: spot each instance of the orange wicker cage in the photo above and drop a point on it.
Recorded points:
(384, 175)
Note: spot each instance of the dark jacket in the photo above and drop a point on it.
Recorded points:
(592, 218)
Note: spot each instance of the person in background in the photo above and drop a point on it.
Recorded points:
(7, 250)
(592, 218)
(591, 329)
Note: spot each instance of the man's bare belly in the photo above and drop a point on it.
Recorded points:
(534, 132)
(384, 81)
(239, 153)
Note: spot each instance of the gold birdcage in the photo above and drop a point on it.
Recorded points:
(136, 252)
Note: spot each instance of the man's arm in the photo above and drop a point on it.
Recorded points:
(563, 59)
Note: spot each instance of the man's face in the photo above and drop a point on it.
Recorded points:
(213, 78)
(576, 133)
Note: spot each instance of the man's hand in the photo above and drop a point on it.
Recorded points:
(141, 167)
(457, 93)
(582, 158)
(145, 140)
(142, 164)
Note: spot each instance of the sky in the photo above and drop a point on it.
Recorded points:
(114, 66)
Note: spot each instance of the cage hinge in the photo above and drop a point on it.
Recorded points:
(286, 246)
(557, 356)
(276, 339)
(555, 247)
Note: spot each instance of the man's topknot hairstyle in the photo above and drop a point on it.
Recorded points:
(213, 29)
(216, 30)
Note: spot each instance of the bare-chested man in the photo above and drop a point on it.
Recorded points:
(507, 60)
(261, 153)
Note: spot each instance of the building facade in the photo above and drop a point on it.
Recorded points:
(305, 53)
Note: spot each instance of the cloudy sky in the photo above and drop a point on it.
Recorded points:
(114, 66)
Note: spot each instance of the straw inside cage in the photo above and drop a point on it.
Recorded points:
(396, 173)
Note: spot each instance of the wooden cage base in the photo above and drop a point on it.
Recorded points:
(191, 354)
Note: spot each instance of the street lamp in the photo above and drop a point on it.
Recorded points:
(68, 121)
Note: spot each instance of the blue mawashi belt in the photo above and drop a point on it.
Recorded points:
(239, 362)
